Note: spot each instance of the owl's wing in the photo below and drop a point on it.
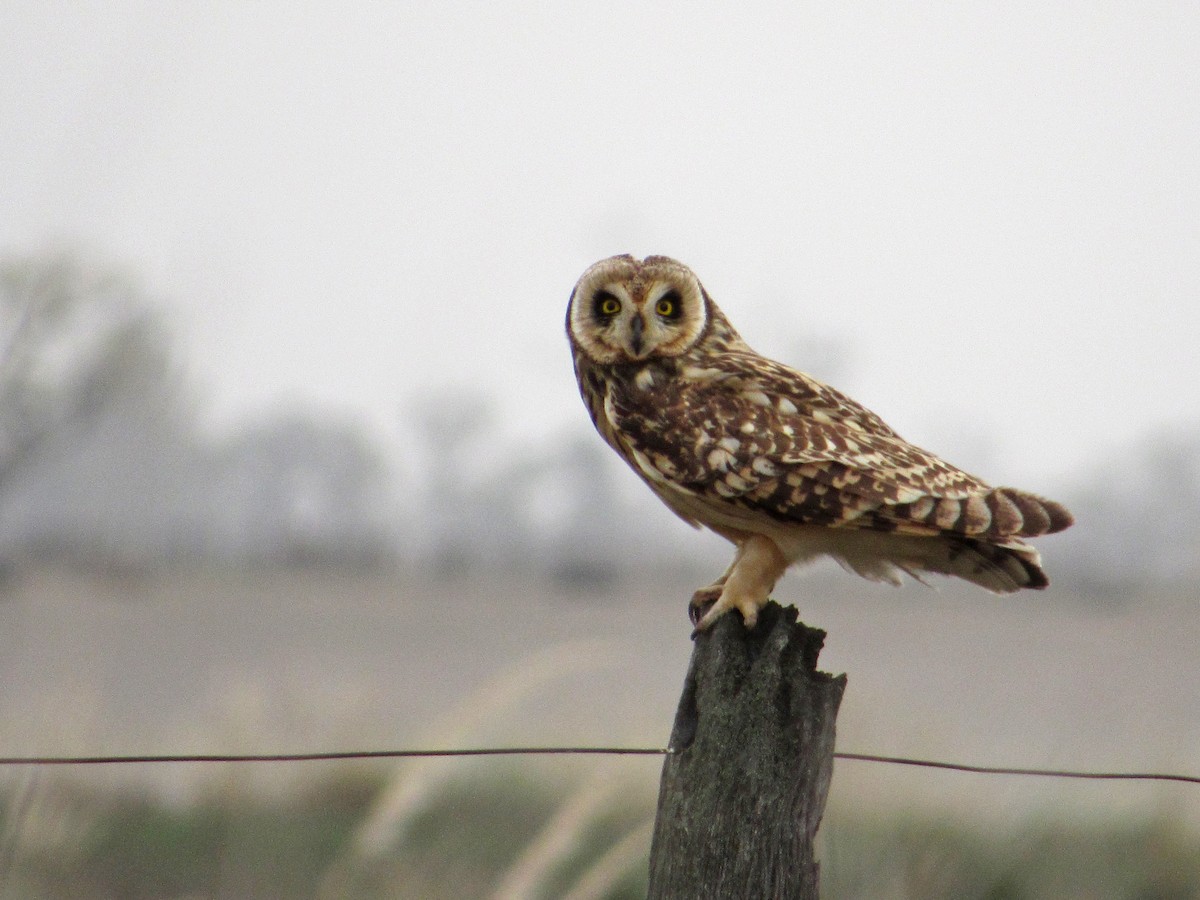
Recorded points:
(755, 433)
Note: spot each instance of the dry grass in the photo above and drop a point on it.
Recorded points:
(232, 662)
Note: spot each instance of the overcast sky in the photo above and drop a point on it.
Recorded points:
(991, 211)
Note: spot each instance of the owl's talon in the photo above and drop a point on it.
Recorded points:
(702, 601)
(747, 607)
(714, 612)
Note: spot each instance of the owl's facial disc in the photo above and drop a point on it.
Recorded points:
(629, 323)
(653, 328)
(624, 310)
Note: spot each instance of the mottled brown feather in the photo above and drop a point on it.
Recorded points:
(861, 475)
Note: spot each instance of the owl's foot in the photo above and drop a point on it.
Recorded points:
(748, 607)
(757, 566)
(703, 600)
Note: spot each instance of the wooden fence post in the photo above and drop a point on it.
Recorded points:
(742, 794)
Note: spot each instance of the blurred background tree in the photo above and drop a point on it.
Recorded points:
(103, 463)
(77, 342)
(85, 364)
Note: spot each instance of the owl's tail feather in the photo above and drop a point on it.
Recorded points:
(992, 514)
(999, 567)
(1021, 514)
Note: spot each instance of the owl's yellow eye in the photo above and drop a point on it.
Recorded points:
(607, 304)
(668, 305)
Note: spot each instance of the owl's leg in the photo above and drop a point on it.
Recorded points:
(756, 568)
(704, 598)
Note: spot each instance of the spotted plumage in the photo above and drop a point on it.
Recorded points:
(783, 466)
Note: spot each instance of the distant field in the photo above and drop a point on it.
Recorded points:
(217, 662)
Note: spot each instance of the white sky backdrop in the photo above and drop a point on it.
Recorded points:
(993, 210)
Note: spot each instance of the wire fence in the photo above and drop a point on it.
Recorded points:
(563, 751)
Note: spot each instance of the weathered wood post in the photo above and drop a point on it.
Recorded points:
(742, 794)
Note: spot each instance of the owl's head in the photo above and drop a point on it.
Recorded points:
(627, 310)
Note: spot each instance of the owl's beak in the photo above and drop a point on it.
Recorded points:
(636, 328)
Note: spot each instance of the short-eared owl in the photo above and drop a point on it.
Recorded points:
(779, 464)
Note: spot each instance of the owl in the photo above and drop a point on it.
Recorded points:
(785, 468)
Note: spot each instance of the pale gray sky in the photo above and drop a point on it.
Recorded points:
(993, 208)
